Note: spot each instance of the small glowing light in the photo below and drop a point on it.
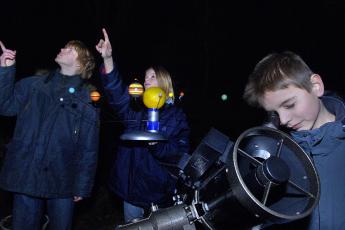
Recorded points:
(71, 90)
(224, 97)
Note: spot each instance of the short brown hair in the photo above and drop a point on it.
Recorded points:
(277, 71)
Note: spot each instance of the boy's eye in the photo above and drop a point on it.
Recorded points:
(289, 106)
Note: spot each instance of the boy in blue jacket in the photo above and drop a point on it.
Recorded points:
(51, 159)
(283, 83)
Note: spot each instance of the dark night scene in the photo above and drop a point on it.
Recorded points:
(127, 114)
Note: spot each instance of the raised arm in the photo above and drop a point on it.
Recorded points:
(115, 89)
(104, 48)
(12, 96)
(8, 57)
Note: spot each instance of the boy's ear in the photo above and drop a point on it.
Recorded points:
(317, 85)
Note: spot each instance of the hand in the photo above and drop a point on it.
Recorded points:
(8, 57)
(77, 198)
(104, 46)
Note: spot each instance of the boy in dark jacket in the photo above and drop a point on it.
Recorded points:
(138, 176)
(283, 83)
(52, 157)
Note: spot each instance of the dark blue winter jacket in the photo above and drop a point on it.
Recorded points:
(138, 175)
(53, 153)
(326, 146)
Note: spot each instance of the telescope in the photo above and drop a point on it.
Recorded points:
(261, 179)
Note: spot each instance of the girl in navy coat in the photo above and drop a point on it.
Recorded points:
(138, 175)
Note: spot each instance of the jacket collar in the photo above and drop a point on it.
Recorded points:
(335, 105)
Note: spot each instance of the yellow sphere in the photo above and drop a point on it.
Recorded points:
(154, 98)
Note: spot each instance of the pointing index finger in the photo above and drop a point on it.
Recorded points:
(106, 37)
(3, 48)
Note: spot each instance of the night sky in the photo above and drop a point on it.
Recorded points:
(210, 47)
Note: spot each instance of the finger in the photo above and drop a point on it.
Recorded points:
(99, 49)
(100, 43)
(9, 56)
(10, 52)
(106, 37)
(3, 48)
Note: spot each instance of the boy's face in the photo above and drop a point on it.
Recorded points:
(67, 56)
(298, 109)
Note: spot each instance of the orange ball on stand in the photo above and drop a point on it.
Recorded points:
(135, 89)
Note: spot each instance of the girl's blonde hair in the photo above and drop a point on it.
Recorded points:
(164, 81)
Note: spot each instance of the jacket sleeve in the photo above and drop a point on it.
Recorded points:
(177, 145)
(116, 91)
(88, 151)
(12, 96)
